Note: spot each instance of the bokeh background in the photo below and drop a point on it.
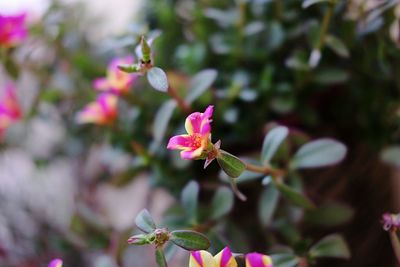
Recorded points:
(73, 191)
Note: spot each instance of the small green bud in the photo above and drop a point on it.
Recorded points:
(129, 68)
(139, 240)
(146, 50)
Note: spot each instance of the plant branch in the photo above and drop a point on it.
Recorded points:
(264, 170)
(395, 244)
(181, 103)
(324, 27)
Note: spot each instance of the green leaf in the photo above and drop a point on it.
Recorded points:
(331, 76)
(145, 222)
(337, 46)
(271, 143)
(285, 260)
(294, 196)
(319, 153)
(230, 164)
(200, 83)
(158, 79)
(189, 199)
(190, 240)
(162, 118)
(308, 3)
(332, 246)
(391, 155)
(267, 205)
(160, 258)
(329, 215)
(222, 203)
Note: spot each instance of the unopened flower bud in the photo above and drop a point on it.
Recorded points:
(139, 240)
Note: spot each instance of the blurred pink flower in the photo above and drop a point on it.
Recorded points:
(116, 81)
(198, 127)
(203, 258)
(56, 263)
(10, 110)
(258, 260)
(12, 30)
(391, 221)
(103, 111)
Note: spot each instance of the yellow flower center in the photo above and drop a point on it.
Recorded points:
(196, 140)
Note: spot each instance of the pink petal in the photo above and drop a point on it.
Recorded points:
(12, 30)
(225, 258)
(197, 257)
(191, 154)
(179, 142)
(258, 260)
(56, 263)
(101, 84)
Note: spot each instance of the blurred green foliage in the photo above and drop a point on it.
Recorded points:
(321, 68)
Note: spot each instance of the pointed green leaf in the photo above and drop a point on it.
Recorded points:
(222, 203)
(285, 260)
(162, 118)
(145, 222)
(200, 83)
(332, 246)
(267, 205)
(189, 199)
(319, 153)
(329, 215)
(337, 46)
(158, 79)
(160, 258)
(190, 240)
(294, 196)
(272, 141)
(230, 164)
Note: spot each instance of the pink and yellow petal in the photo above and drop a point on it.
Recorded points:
(108, 102)
(225, 258)
(258, 260)
(101, 84)
(192, 153)
(92, 113)
(201, 258)
(179, 142)
(56, 263)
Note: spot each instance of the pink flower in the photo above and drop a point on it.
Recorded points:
(258, 260)
(10, 110)
(12, 30)
(116, 81)
(198, 127)
(203, 258)
(391, 221)
(56, 263)
(103, 111)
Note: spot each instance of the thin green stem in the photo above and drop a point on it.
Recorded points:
(236, 190)
(324, 27)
